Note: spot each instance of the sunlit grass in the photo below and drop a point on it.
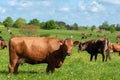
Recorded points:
(75, 67)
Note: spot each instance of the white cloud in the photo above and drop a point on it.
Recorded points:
(65, 9)
(2, 10)
(45, 3)
(112, 1)
(12, 3)
(25, 3)
(20, 3)
(96, 7)
(82, 6)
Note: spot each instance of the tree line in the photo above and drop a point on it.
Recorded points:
(51, 24)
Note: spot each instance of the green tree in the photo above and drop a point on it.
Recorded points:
(75, 26)
(8, 22)
(61, 24)
(112, 29)
(105, 26)
(19, 22)
(93, 27)
(42, 25)
(117, 27)
(35, 22)
(51, 24)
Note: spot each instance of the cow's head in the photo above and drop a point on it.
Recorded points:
(81, 47)
(67, 45)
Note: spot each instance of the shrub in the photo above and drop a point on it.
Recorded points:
(29, 30)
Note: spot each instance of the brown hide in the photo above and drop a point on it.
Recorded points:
(3, 44)
(115, 47)
(35, 50)
(94, 47)
(118, 36)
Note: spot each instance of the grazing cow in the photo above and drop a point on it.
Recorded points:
(3, 44)
(9, 31)
(118, 36)
(94, 47)
(84, 36)
(35, 50)
(100, 30)
(115, 47)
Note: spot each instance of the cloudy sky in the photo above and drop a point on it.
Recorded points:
(82, 12)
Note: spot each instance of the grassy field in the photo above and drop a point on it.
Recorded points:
(76, 67)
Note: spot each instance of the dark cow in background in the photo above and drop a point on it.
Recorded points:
(94, 47)
(115, 47)
(35, 50)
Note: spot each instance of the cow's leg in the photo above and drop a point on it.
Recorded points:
(103, 57)
(47, 69)
(119, 53)
(12, 64)
(96, 56)
(91, 57)
(50, 68)
(16, 68)
(108, 55)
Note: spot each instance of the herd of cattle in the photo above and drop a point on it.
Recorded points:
(53, 51)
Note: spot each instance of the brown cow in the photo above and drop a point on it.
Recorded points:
(35, 50)
(118, 36)
(115, 47)
(94, 47)
(3, 44)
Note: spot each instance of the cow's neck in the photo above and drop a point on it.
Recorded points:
(86, 46)
(61, 54)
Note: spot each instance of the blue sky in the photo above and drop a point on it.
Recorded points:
(82, 12)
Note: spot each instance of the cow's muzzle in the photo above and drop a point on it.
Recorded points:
(68, 53)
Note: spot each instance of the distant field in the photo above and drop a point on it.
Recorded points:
(2, 26)
(76, 67)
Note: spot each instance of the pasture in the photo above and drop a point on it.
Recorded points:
(75, 67)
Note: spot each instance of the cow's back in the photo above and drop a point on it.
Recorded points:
(115, 47)
(34, 48)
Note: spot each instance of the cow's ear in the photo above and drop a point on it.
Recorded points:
(61, 42)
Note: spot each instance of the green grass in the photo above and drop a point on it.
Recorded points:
(75, 67)
(2, 26)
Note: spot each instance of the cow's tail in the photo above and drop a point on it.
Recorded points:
(107, 49)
